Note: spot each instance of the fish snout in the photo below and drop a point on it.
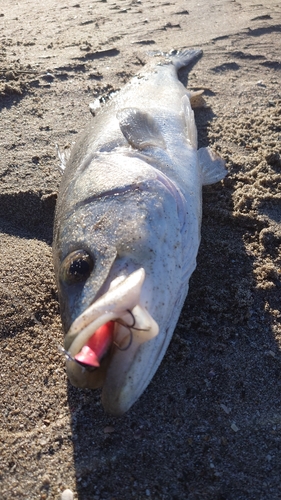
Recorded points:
(106, 337)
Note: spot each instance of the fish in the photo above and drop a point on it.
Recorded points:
(127, 230)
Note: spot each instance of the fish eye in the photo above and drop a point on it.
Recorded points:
(76, 267)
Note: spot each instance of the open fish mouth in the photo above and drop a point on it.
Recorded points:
(110, 329)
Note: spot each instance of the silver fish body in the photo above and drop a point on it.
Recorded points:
(127, 228)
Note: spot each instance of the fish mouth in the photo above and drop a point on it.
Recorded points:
(102, 343)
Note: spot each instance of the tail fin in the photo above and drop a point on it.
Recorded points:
(181, 58)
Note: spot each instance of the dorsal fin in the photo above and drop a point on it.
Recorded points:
(140, 128)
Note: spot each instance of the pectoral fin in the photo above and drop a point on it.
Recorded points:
(140, 129)
(197, 100)
(188, 116)
(213, 167)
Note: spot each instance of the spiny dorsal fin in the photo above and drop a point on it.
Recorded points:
(140, 128)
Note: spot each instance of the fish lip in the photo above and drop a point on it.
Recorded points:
(87, 367)
(114, 373)
(81, 338)
(122, 295)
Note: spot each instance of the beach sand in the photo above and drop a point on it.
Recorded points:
(208, 427)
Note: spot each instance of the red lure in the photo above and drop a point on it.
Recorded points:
(97, 346)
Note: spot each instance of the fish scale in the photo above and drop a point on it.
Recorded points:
(129, 209)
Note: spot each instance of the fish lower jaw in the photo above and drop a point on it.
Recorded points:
(112, 358)
(112, 363)
(82, 378)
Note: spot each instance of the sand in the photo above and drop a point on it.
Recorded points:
(209, 424)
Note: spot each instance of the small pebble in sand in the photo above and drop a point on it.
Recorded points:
(67, 495)
(225, 409)
(108, 429)
(271, 353)
(46, 480)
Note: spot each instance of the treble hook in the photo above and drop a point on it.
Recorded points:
(130, 341)
(133, 325)
(66, 353)
(130, 328)
(70, 358)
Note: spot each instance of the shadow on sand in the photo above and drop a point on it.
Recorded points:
(218, 356)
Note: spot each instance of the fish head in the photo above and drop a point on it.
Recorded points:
(119, 257)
